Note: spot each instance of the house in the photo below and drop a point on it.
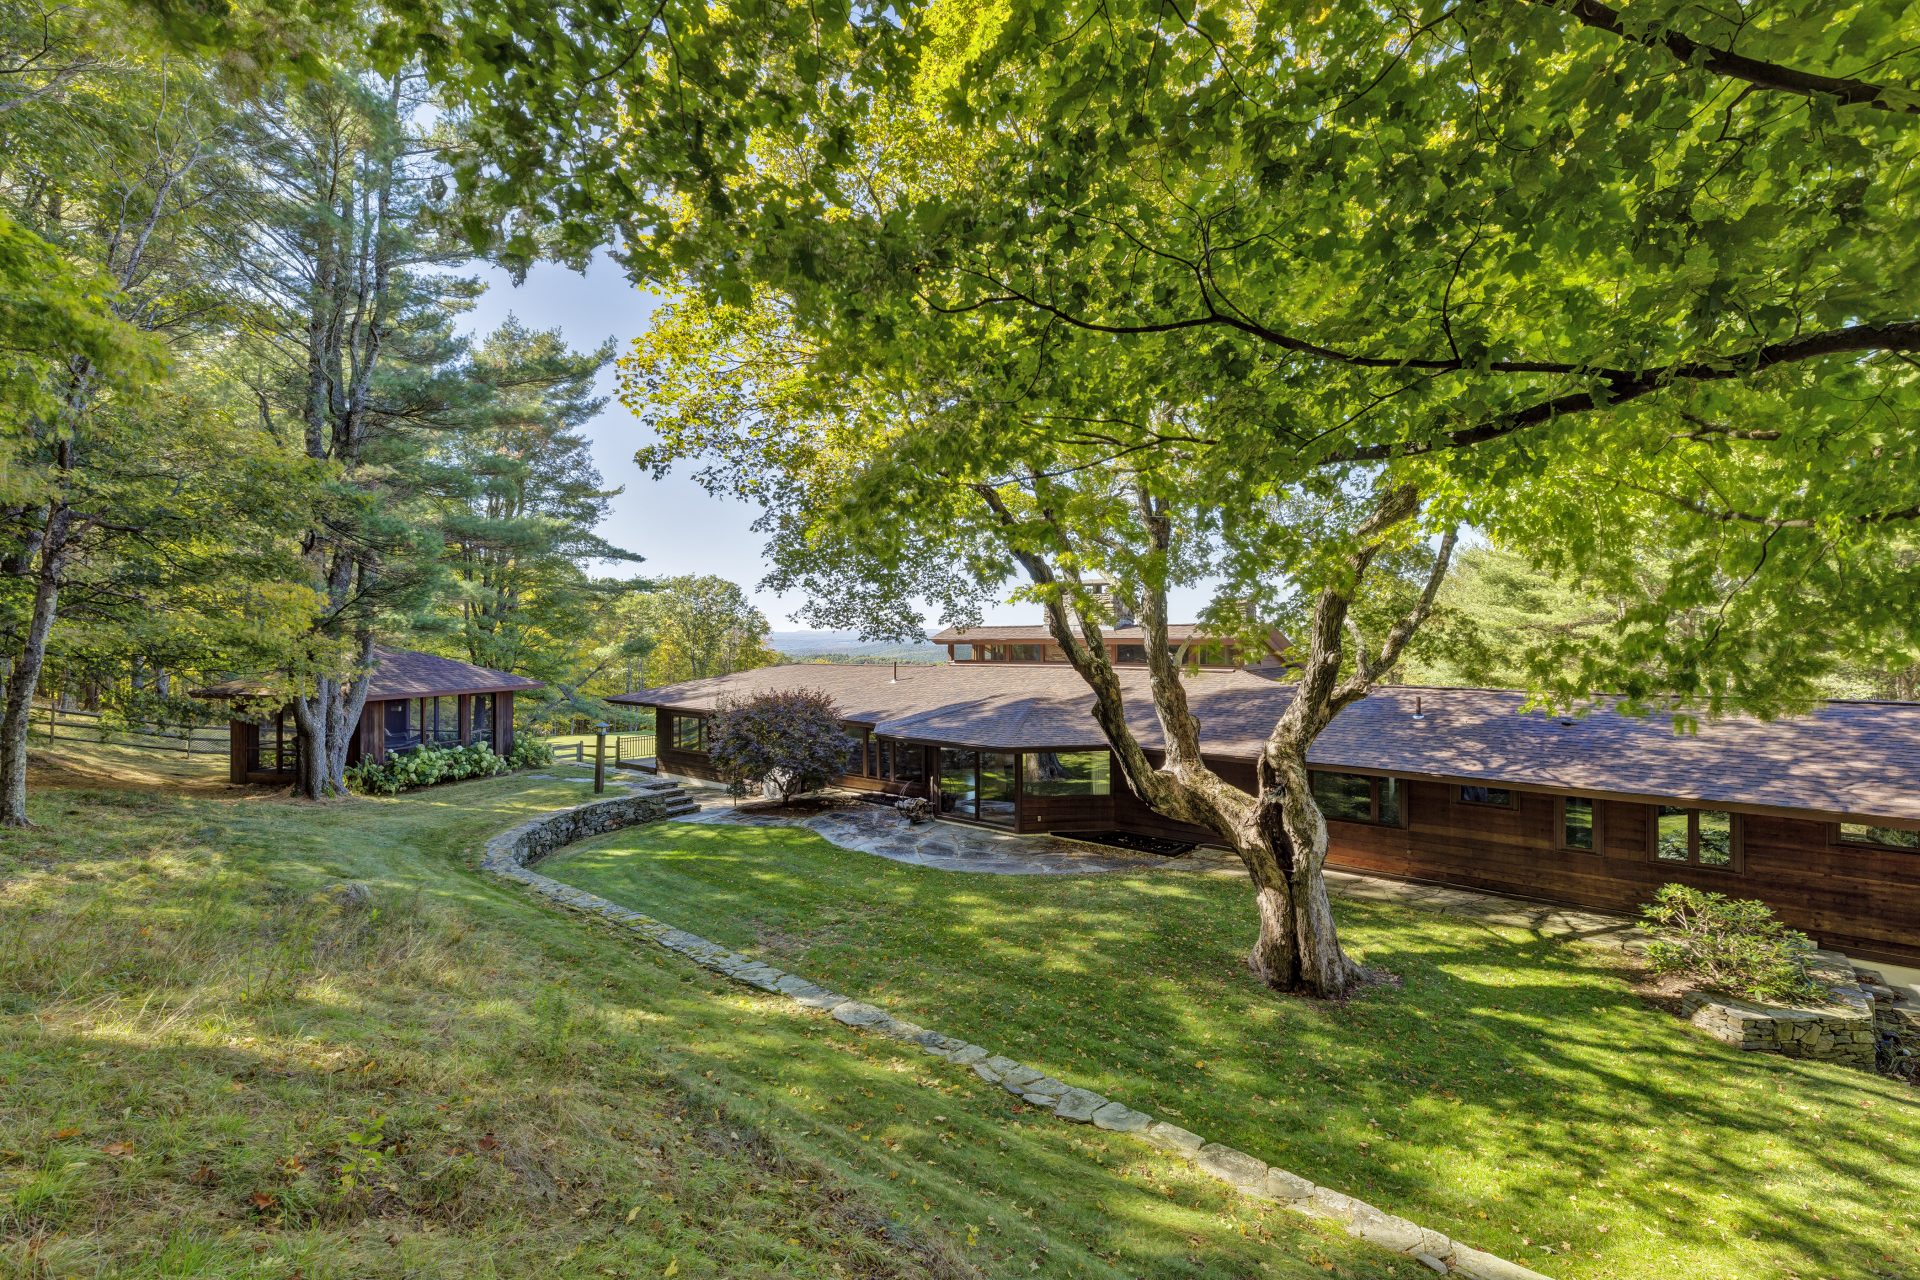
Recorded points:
(1187, 643)
(414, 699)
(1125, 641)
(1819, 816)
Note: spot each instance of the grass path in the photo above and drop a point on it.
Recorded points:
(209, 1067)
(1512, 1092)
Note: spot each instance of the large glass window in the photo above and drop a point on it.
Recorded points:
(855, 763)
(909, 761)
(1347, 797)
(1578, 824)
(690, 734)
(1357, 797)
(1498, 797)
(1026, 652)
(482, 730)
(1697, 837)
(880, 758)
(1387, 791)
(957, 790)
(1879, 837)
(998, 775)
(1069, 773)
(1130, 654)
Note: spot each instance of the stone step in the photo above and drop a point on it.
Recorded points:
(681, 808)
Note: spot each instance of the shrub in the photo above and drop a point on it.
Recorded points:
(424, 767)
(529, 751)
(1734, 945)
(791, 739)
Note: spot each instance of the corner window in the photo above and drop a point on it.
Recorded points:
(1068, 773)
(690, 734)
(1694, 837)
(1497, 797)
(1579, 824)
(1861, 833)
(1357, 797)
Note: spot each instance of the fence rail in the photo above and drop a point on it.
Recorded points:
(624, 750)
(92, 726)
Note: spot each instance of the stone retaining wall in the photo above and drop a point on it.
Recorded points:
(510, 853)
(1841, 1030)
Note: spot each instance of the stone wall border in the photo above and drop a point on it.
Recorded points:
(510, 854)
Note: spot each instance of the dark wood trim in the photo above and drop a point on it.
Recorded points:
(1737, 825)
(1838, 841)
(1560, 826)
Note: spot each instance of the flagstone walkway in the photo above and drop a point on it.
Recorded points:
(947, 846)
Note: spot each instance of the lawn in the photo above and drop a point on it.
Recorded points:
(1511, 1091)
(210, 1066)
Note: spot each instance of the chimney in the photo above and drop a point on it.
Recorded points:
(1418, 714)
(896, 674)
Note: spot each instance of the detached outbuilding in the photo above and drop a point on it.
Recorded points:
(415, 700)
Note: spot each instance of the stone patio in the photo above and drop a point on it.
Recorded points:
(946, 846)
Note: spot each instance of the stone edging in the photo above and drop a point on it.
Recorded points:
(509, 853)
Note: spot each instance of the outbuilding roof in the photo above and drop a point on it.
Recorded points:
(1852, 758)
(402, 673)
(1133, 633)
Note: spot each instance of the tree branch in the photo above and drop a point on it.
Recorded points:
(1725, 62)
(1621, 387)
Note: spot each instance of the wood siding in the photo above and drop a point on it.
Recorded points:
(1861, 901)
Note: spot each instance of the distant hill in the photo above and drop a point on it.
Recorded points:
(847, 646)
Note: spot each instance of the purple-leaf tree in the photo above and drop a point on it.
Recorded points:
(792, 740)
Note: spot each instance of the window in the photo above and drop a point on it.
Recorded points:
(963, 653)
(441, 716)
(880, 758)
(482, 729)
(1130, 654)
(1357, 797)
(690, 734)
(1694, 837)
(1579, 824)
(1498, 797)
(855, 763)
(1026, 653)
(1878, 837)
(998, 771)
(909, 762)
(1069, 773)
(957, 794)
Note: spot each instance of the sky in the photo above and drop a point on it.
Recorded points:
(675, 524)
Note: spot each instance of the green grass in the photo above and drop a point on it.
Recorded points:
(1512, 1091)
(208, 1067)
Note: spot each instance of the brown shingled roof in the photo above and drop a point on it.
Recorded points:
(1856, 758)
(1177, 632)
(403, 673)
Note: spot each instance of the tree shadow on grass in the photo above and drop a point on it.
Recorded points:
(1513, 1090)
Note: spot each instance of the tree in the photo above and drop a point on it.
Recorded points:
(698, 625)
(121, 201)
(1283, 298)
(360, 369)
(790, 739)
(523, 502)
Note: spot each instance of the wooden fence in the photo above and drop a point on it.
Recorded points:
(624, 750)
(52, 723)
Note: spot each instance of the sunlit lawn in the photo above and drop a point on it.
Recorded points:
(1512, 1091)
(209, 1068)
